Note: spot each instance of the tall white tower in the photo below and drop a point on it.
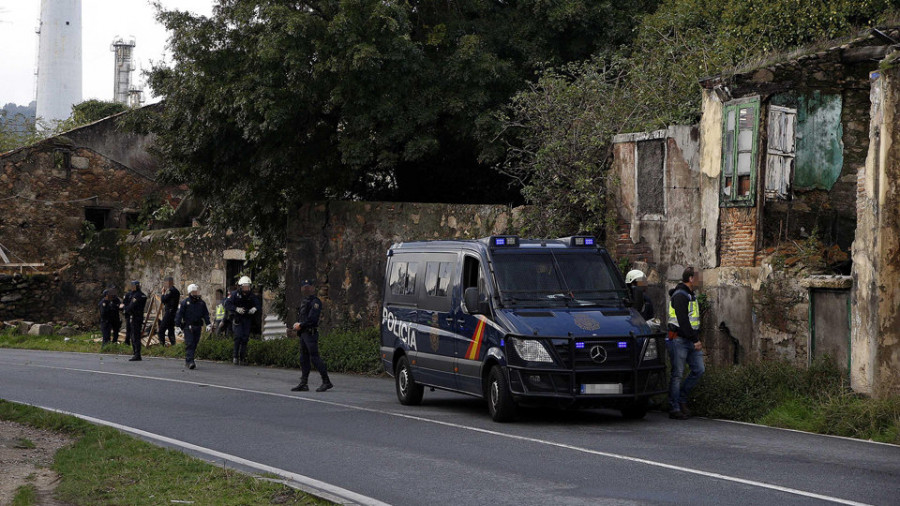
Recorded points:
(59, 59)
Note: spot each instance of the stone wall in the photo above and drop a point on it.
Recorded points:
(343, 245)
(26, 296)
(46, 189)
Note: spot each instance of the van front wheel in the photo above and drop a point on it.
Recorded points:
(408, 391)
(500, 401)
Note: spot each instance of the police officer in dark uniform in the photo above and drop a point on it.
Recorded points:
(117, 322)
(307, 328)
(192, 313)
(169, 298)
(243, 304)
(135, 309)
(109, 316)
(126, 300)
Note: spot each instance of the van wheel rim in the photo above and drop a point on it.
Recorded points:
(495, 394)
(404, 380)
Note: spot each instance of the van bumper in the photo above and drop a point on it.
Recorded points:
(573, 381)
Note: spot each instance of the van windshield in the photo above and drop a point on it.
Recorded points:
(582, 278)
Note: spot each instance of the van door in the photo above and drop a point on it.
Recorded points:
(399, 315)
(471, 330)
(436, 357)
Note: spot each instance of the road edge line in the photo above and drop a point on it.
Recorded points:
(307, 484)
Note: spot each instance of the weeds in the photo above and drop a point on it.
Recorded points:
(26, 495)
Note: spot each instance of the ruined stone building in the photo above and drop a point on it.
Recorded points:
(769, 195)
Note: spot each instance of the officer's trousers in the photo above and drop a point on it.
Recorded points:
(115, 326)
(309, 352)
(106, 331)
(241, 338)
(167, 324)
(137, 327)
(191, 339)
(127, 329)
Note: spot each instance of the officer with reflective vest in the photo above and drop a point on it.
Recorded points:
(243, 303)
(219, 318)
(192, 314)
(683, 343)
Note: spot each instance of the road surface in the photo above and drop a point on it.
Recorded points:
(358, 438)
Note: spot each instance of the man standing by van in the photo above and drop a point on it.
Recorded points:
(683, 343)
(307, 328)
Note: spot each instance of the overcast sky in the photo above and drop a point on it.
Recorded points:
(102, 20)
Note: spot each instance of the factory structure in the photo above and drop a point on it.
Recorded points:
(59, 67)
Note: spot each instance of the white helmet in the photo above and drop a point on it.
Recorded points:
(245, 280)
(633, 275)
(193, 288)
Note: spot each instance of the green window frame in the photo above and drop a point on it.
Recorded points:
(740, 139)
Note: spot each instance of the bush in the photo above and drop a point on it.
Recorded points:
(354, 351)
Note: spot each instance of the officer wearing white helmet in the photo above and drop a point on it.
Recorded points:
(243, 303)
(192, 314)
(637, 282)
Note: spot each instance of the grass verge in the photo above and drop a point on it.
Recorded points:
(350, 351)
(816, 399)
(25, 496)
(105, 466)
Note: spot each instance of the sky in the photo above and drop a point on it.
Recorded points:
(102, 21)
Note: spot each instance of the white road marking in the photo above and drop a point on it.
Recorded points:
(555, 444)
(832, 436)
(328, 491)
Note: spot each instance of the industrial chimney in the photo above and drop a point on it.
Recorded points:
(124, 66)
(59, 59)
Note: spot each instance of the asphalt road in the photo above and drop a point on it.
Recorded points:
(358, 437)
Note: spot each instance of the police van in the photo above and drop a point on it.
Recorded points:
(517, 322)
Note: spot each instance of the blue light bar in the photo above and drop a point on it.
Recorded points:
(580, 346)
(504, 241)
(581, 241)
(623, 344)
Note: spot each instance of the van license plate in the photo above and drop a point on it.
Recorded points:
(602, 388)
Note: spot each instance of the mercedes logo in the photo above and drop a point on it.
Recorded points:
(598, 354)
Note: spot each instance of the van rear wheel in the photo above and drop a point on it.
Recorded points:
(501, 404)
(408, 391)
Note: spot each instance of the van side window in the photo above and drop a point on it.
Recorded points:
(403, 278)
(472, 274)
(437, 278)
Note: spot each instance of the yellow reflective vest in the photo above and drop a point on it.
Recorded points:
(693, 310)
(220, 312)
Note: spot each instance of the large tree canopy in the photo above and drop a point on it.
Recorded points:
(273, 102)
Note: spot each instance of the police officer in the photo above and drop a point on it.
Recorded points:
(135, 309)
(219, 319)
(307, 328)
(109, 317)
(191, 314)
(126, 300)
(637, 282)
(683, 342)
(243, 303)
(169, 298)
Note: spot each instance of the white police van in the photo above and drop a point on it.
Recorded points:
(517, 322)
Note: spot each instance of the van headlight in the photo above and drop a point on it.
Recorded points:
(652, 351)
(530, 350)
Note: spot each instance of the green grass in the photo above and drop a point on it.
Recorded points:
(350, 351)
(105, 466)
(26, 495)
(779, 394)
(24, 444)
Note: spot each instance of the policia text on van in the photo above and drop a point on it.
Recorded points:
(517, 322)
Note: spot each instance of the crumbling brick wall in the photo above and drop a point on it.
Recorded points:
(737, 235)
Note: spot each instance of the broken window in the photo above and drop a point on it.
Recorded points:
(780, 152)
(739, 139)
(651, 158)
(98, 216)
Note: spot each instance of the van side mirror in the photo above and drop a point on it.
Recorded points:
(473, 303)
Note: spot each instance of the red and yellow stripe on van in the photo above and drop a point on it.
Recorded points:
(477, 339)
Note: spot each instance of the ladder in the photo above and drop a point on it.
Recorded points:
(154, 308)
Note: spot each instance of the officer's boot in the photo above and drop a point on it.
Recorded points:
(302, 387)
(326, 384)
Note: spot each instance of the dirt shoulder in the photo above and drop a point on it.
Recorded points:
(26, 457)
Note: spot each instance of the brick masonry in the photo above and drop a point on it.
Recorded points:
(737, 236)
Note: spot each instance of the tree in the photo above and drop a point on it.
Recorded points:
(90, 111)
(271, 103)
